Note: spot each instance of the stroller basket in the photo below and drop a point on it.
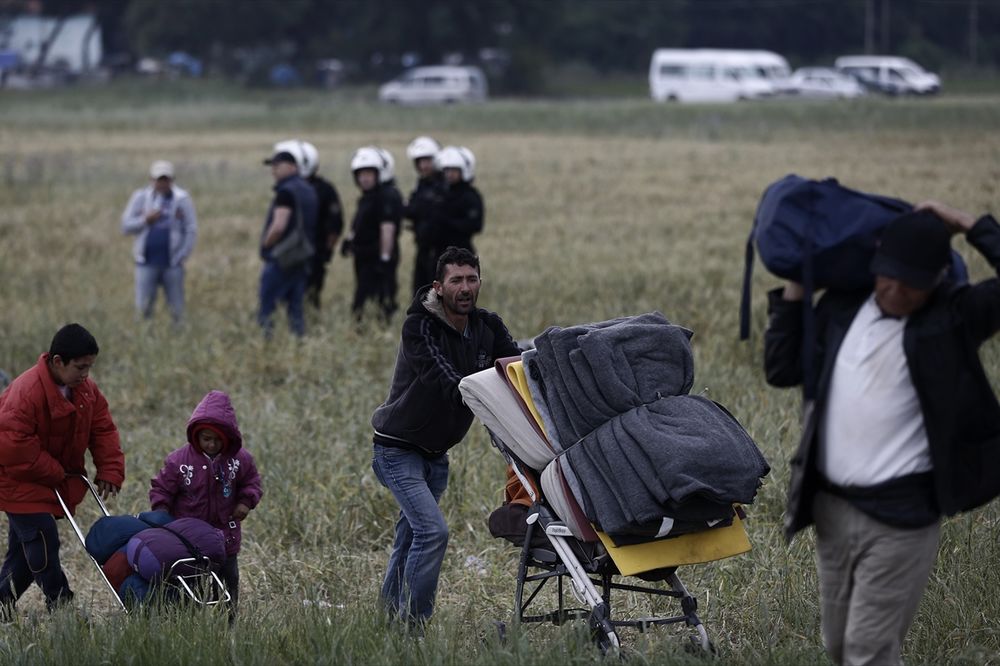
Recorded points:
(192, 576)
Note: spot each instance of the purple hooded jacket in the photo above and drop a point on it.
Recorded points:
(192, 485)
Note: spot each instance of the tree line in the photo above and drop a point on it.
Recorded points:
(379, 37)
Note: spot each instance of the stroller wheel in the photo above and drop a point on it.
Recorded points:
(606, 639)
(700, 642)
(602, 630)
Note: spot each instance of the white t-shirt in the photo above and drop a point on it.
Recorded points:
(872, 429)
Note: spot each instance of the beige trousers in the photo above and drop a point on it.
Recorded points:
(871, 578)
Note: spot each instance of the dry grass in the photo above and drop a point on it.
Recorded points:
(581, 225)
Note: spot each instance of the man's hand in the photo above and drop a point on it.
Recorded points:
(106, 489)
(241, 512)
(957, 221)
(153, 215)
(793, 291)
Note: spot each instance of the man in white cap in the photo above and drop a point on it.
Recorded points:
(161, 217)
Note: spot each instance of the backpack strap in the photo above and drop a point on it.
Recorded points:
(747, 278)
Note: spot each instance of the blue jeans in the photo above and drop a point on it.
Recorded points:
(278, 285)
(149, 278)
(33, 555)
(417, 483)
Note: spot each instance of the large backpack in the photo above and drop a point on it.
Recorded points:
(823, 236)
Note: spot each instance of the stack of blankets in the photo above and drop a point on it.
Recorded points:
(603, 412)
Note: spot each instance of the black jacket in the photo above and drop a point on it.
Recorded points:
(941, 343)
(330, 220)
(459, 217)
(424, 410)
(422, 207)
(382, 203)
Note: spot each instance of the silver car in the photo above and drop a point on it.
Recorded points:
(823, 83)
(442, 84)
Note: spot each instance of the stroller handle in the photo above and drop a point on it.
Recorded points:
(79, 532)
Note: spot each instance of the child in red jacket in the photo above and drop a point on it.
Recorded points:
(49, 416)
(213, 478)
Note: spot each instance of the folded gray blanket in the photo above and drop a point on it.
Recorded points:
(682, 457)
(589, 374)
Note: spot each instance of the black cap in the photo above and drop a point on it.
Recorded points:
(283, 156)
(915, 249)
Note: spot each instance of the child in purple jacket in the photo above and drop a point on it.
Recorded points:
(212, 478)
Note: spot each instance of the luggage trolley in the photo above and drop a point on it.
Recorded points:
(192, 576)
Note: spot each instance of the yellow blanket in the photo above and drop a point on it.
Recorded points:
(515, 373)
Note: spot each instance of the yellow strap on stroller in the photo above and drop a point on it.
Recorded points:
(694, 548)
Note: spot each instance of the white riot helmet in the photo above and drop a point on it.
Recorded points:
(310, 159)
(295, 148)
(372, 157)
(422, 146)
(458, 157)
(388, 172)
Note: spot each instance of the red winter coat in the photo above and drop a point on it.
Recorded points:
(43, 436)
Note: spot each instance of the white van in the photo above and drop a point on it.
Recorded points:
(890, 74)
(713, 75)
(444, 84)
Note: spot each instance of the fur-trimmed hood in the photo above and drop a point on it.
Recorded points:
(427, 300)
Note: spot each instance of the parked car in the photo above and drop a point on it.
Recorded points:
(824, 83)
(711, 75)
(443, 84)
(891, 75)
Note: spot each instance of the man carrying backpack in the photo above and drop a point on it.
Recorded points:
(904, 427)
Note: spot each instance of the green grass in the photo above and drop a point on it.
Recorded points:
(594, 209)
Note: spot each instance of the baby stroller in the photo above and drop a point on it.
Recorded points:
(191, 578)
(560, 542)
(593, 568)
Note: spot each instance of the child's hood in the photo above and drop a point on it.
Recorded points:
(217, 409)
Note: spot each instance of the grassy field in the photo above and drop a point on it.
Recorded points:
(594, 210)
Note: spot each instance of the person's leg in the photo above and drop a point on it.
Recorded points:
(230, 575)
(367, 285)
(146, 278)
(392, 585)
(270, 285)
(835, 554)
(317, 275)
(390, 286)
(173, 288)
(15, 576)
(39, 539)
(889, 579)
(417, 484)
(295, 292)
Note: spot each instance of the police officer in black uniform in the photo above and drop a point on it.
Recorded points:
(374, 235)
(423, 207)
(461, 212)
(329, 226)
